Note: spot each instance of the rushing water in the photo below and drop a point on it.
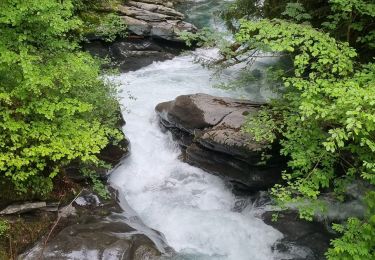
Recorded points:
(194, 210)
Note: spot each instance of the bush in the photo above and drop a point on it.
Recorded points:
(4, 227)
(54, 105)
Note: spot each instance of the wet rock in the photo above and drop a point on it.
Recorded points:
(134, 53)
(199, 111)
(22, 208)
(95, 230)
(113, 153)
(209, 130)
(95, 241)
(231, 168)
(302, 239)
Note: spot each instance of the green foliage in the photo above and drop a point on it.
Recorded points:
(111, 27)
(353, 20)
(100, 18)
(205, 37)
(296, 12)
(96, 5)
(4, 227)
(97, 185)
(242, 9)
(55, 107)
(107, 26)
(358, 236)
(325, 119)
(346, 20)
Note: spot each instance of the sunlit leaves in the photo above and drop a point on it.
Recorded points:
(325, 121)
(54, 106)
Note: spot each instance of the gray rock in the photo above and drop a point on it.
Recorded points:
(137, 26)
(93, 230)
(200, 111)
(142, 14)
(133, 53)
(209, 130)
(22, 208)
(96, 241)
(156, 8)
(153, 19)
(161, 2)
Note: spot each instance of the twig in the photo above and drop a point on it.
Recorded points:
(316, 165)
(54, 225)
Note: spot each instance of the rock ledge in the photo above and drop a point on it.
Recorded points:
(208, 129)
(155, 19)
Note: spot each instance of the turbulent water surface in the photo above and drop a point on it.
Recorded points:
(194, 210)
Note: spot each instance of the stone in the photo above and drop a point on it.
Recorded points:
(137, 26)
(89, 229)
(199, 111)
(134, 53)
(96, 241)
(114, 153)
(208, 129)
(302, 239)
(157, 8)
(154, 19)
(22, 208)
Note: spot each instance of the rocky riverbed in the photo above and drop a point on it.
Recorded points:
(165, 208)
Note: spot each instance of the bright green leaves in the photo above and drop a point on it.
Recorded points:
(111, 26)
(306, 44)
(54, 105)
(325, 118)
(358, 236)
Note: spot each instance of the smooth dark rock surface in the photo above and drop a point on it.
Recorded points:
(208, 129)
(133, 53)
(96, 230)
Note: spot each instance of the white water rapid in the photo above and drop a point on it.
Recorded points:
(193, 209)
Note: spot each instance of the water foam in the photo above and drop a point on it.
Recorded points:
(193, 209)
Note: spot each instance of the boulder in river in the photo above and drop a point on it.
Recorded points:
(208, 128)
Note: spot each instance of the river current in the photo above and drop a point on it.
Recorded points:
(195, 211)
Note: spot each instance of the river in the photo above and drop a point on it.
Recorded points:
(194, 210)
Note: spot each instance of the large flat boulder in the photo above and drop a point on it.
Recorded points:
(208, 129)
